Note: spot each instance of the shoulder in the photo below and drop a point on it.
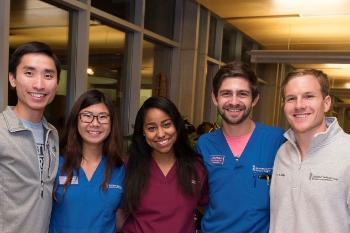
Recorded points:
(198, 163)
(340, 144)
(50, 127)
(2, 119)
(8, 113)
(60, 160)
(3, 125)
(60, 164)
(9, 120)
(347, 137)
(269, 129)
(270, 135)
(11, 130)
(285, 151)
(270, 132)
(5, 135)
(209, 137)
(119, 169)
(209, 141)
(335, 138)
(200, 168)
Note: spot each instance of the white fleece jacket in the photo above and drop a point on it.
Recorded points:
(313, 195)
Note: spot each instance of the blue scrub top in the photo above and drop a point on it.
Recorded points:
(239, 189)
(85, 207)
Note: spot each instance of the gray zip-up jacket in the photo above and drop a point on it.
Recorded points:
(25, 195)
(313, 195)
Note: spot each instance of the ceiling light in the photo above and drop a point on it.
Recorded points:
(337, 66)
(90, 71)
(336, 14)
(299, 56)
(262, 17)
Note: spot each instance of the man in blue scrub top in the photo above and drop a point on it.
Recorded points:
(239, 156)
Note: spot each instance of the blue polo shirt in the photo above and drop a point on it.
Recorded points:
(85, 207)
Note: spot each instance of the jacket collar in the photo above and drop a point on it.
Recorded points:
(319, 139)
(14, 124)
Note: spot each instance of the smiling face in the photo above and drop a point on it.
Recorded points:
(159, 131)
(35, 82)
(234, 100)
(94, 133)
(304, 105)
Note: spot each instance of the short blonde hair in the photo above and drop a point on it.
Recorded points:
(321, 77)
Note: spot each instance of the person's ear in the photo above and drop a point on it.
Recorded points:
(12, 80)
(255, 101)
(214, 98)
(327, 102)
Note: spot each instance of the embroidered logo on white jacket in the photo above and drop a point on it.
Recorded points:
(321, 178)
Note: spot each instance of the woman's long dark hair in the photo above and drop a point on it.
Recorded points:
(139, 163)
(72, 143)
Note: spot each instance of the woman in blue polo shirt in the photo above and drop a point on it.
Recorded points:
(89, 183)
(165, 180)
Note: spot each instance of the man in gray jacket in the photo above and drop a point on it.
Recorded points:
(28, 143)
(310, 189)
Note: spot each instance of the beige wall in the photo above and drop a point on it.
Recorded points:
(268, 110)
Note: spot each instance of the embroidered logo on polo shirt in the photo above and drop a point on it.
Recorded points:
(321, 178)
(217, 160)
(114, 186)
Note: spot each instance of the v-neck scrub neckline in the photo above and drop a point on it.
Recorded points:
(97, 172)
(161, 175)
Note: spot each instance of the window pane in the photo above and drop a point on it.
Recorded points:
(159, 17)
(27, 24)
(247, 46)
(120, 8)
(106, 61)
(147, 71)
(155, 70)
(210, 112)
(212, 36)
(228, 44)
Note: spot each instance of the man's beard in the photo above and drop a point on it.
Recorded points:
(236, 121)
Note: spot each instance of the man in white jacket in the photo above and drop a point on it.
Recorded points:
(310, 189)
(28, 143)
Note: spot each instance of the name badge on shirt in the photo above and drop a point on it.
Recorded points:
(262, 173)
(115, 186)
(62, 180)
(217, 160)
